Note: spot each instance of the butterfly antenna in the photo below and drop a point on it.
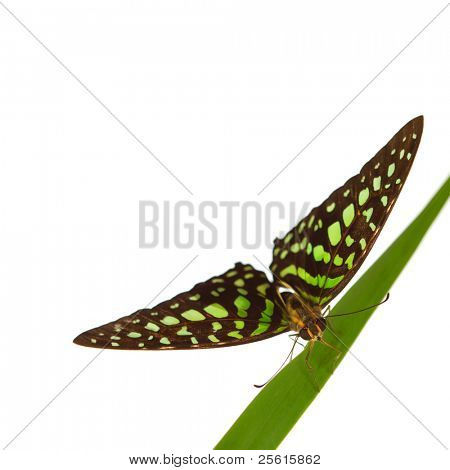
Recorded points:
(289, 357)
(362, 310)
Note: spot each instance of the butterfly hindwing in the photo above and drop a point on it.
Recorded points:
(322, 253)
(235, 308)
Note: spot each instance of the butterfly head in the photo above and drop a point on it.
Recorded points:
(307, 321)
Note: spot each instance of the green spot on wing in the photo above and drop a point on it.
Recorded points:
(242, 313)
(288, 237)
(169, 320)
(268, 312)
(262, 288)
(134, 334)
(363, 196)
(262, 328)
(295, 248)
(377, 183)
(183, 331)
(334, 233)
(391, 169)
(193, 315)
(348, 214)
(349, 260)
(308, 278)
(318, 252)
(349, 240)
(235, 334)
(216, 310)
(368, 213)
(291, 269)
(333, 281)
(152, 326)
(242, 302)
(303, 243)
(281, 328)
(338, 260)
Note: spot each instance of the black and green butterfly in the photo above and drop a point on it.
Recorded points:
(311, 264)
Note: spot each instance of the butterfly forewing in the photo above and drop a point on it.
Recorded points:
(322, 253)
(234, 308)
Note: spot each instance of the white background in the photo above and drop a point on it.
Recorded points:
(225, 94)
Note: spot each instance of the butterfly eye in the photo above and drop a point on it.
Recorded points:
(303, 333)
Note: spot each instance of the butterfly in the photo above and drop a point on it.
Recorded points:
(311, 265)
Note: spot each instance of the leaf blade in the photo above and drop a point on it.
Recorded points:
(275, 410)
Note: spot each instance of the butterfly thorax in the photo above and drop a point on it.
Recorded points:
(307, 321)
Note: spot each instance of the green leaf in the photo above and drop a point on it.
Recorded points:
(276, 409)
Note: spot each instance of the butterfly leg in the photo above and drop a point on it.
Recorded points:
(308, 353)
(339, 352)
(288, 358)
(291, 355)
(310, 347)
